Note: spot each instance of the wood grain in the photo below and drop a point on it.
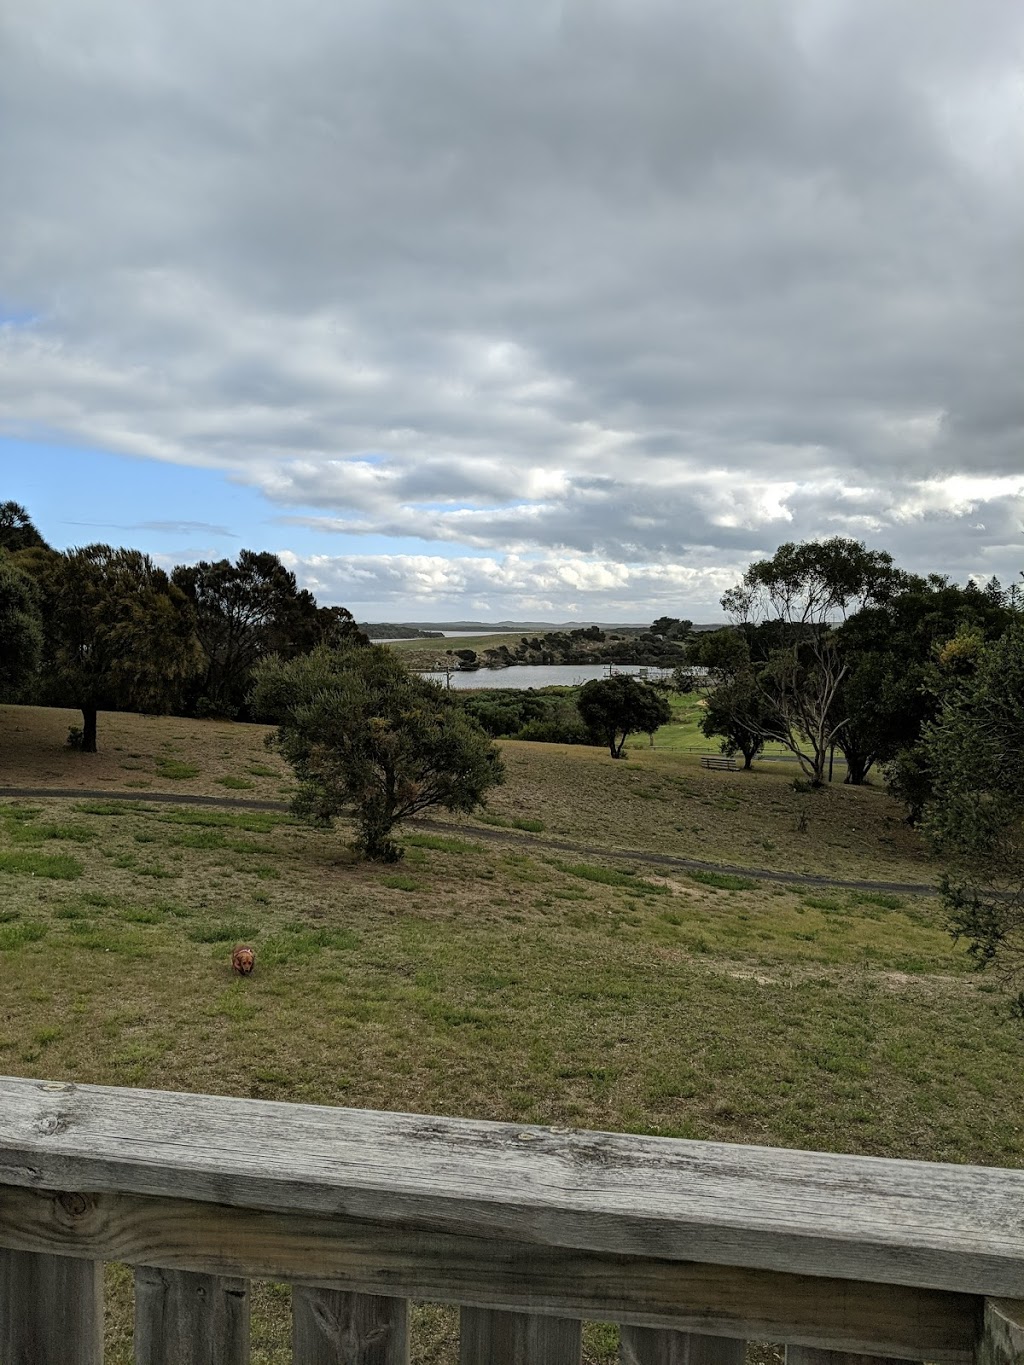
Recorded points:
(494, 1338)
(808, 1355)
(651, 1346)
(861, 1218)
(1002, 1337)
(51, 1310)
(330, 1327)
(366, 1257)
(182, 1318)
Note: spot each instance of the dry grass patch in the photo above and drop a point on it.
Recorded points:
(140, 753)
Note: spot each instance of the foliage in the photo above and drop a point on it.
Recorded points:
(548, 715)
(900, 655)
(788, 606)
(17, 531)
(739, 714)
(361, 731)
(21, 634)
(244, 612)
(620, 706)
(975, 818)
(119, 636)
(672, 628)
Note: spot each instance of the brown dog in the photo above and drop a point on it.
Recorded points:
(243, 959)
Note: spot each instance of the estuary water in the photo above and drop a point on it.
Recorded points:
(522, 676)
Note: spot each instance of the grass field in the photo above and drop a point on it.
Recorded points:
(489, 978)
(423, 653)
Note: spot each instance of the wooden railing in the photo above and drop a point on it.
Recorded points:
(694, 1248)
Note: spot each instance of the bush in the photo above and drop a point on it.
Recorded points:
(362, 732)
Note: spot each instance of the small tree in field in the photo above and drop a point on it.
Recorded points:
(618, 707)
(361, 731)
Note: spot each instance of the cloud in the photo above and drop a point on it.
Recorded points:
(509, 586)
(636, 284)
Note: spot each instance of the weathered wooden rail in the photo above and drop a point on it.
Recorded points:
(694, 1248)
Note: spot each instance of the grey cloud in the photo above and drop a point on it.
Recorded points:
(629, 279)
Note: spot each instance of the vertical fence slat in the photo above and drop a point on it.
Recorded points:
(810, 1355)
(492, 1337)
(330, 1327)
(1002, 1334)
(51, 1310)
(655, 1346)
(186, 1319)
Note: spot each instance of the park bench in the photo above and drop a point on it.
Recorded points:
(716, 761)
(694, 1248)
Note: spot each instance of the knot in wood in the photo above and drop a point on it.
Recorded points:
(49, 1124)
(74, 1205)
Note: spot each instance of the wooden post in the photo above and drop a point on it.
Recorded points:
(657, 1346)
(492, 1337)
(1002, 1333)
(810, 1355)
(330, 1327)
(51, 1310)
(183, 1318)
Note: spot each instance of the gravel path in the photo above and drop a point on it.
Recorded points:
(666, 860)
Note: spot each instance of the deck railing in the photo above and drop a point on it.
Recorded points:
(694, 1248)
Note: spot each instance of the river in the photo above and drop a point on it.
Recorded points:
(522, 676)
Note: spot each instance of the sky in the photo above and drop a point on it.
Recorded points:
(555, 309)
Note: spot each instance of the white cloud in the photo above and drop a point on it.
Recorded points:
(616, 284)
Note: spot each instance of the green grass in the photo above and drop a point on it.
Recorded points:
(176, 769)
(488, 978)
(238, 784)
(16, 935)
(512, 822)
(229, 932)
(55, 866)
(440, 843)
(607, 876)
(723, 881)
(399, 881)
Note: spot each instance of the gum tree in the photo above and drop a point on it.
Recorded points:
(364, 734)
(119, 636)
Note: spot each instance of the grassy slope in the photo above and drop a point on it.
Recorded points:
(423, 653)
(498, 981)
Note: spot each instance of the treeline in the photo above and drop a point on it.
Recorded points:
(835, 649)
(105, 629)
(662, 646)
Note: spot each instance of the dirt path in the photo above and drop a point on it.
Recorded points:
(666, 860)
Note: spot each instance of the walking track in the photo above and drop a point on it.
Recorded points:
(631, 855)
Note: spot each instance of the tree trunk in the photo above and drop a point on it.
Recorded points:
(89, 730)
(857, 768)
(748, 760)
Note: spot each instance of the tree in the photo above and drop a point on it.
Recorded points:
(736, 711)
(244, 612)
(617, 707)
(794, 601)
(21, 634)
(16, 529)
(975, 817)
(119, 636)
(362, 731)
(671, 628)
(735, 707)
(900, 656)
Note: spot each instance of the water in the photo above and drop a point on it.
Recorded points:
(447, 635)
(522, 676)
